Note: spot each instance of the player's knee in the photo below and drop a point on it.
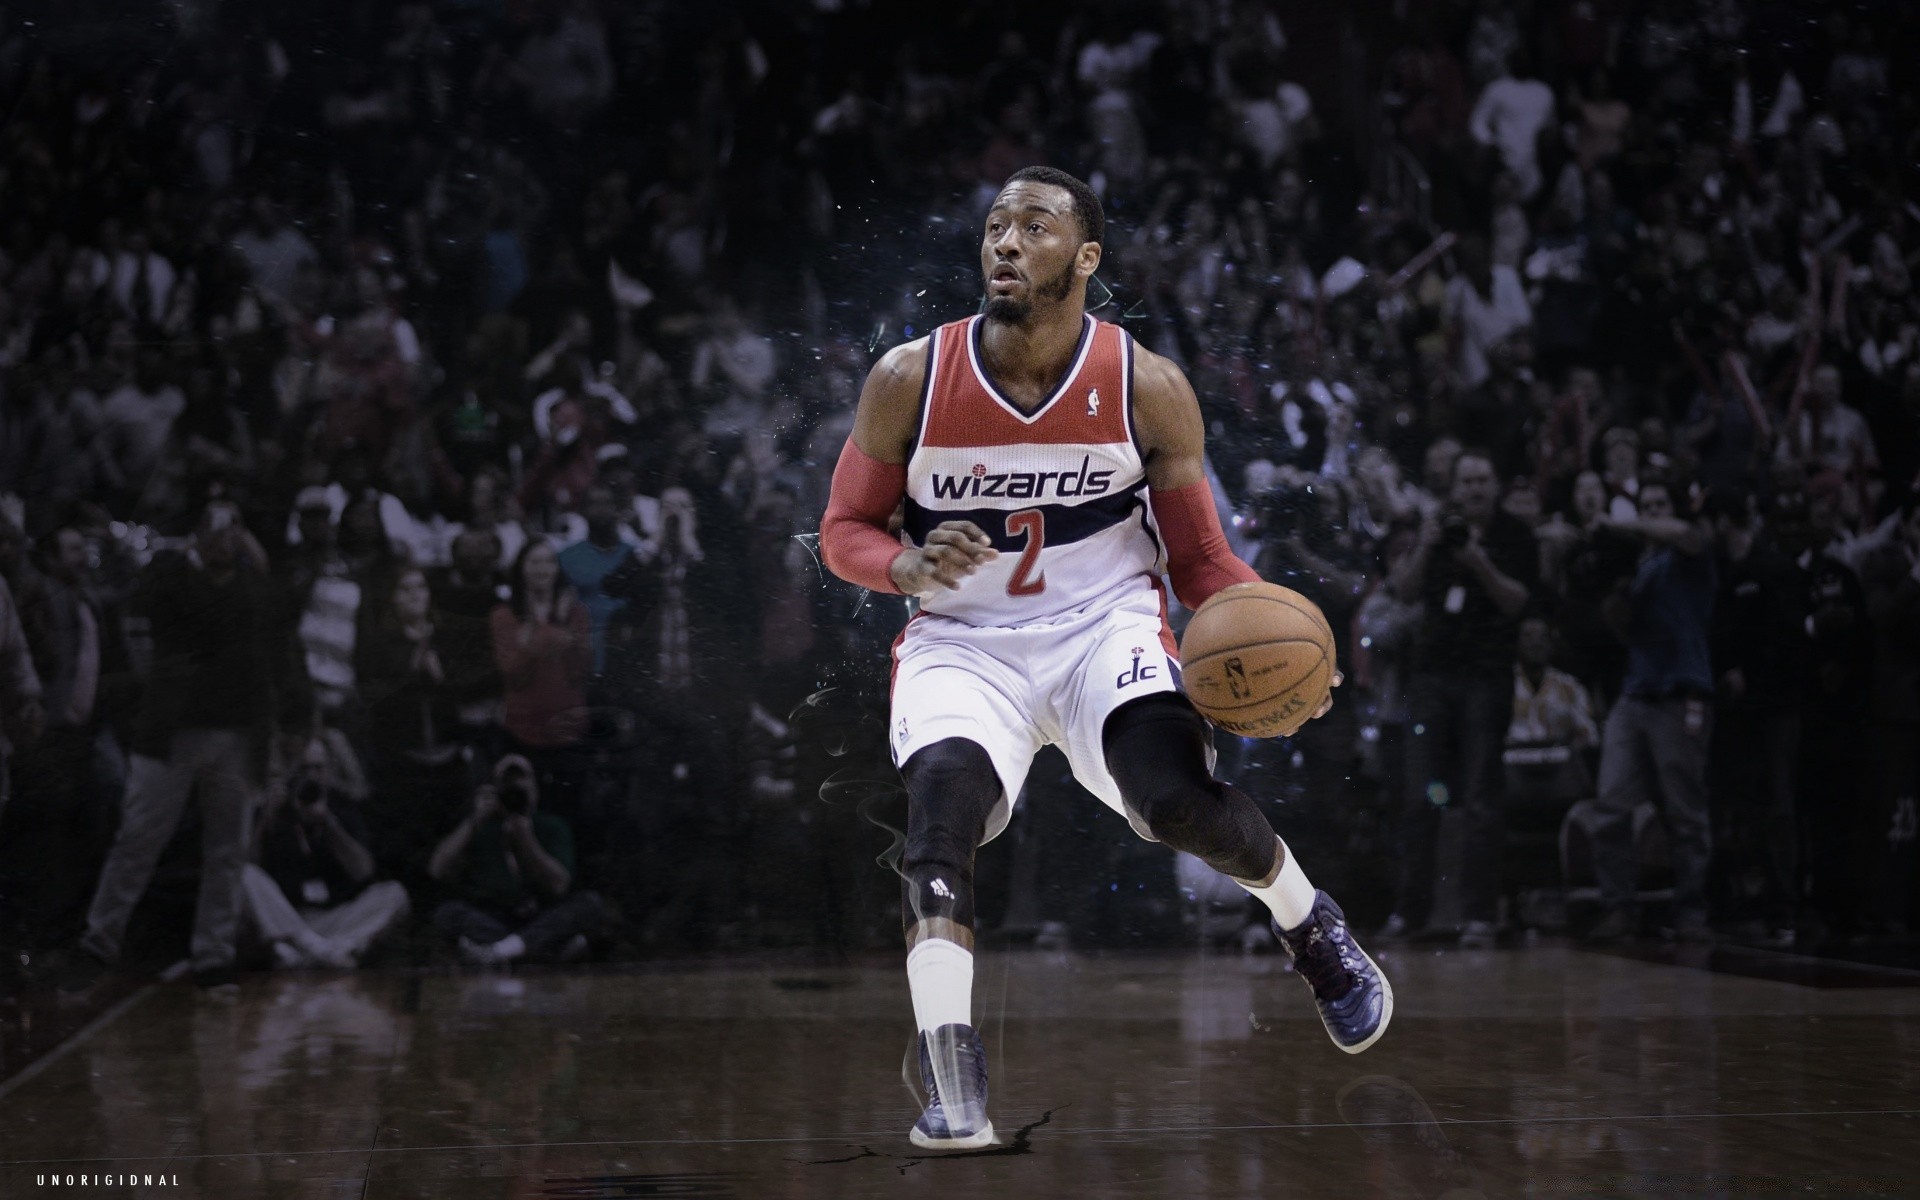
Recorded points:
(1175, 811)
(1156, 753)
(951, 789)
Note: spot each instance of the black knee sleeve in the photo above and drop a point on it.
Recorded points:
(951, 791)
(1156, 749)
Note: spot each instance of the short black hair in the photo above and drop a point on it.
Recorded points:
(1086, 205)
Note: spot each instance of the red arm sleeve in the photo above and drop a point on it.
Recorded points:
(853, 535)
(1198, 557)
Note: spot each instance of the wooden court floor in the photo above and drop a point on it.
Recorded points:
(1546, 1072)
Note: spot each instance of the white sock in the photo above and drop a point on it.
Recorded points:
(509, 948)
(1289, 896)
(940, 976)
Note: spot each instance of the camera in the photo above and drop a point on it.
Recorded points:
(1454, 531)
(310, 792)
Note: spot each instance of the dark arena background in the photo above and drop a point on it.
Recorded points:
(415, 424)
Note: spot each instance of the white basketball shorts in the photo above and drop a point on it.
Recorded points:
(1016, 689)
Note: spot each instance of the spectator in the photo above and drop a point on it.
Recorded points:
(566, 67)
(464, 596)
(510, 865)
(20, 705)
(543, 644)
(1830, 435)
(586, 565)
(1550, 707)
(135, 421)
(1655, 747)
(276, 254)
(55, 827)
(313, 845)
(1510, 115)
(416, 680)
(212, 677)
(1831, 783)
(1759, 653)
(1471, 571)
(1486, 306)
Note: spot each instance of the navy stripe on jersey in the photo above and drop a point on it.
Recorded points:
(1065, 523)
(926, 392)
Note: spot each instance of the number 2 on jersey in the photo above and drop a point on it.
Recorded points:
(1033, 523)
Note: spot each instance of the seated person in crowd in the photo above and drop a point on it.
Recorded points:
(1550, 707)
(510, 868)
(311, 895)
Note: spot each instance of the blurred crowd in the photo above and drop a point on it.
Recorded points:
(413, 419)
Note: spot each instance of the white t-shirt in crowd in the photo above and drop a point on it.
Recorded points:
(1485, 321)
(1844, 442)
(1509, 115)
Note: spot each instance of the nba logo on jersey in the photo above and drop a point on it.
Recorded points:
(1093, 403)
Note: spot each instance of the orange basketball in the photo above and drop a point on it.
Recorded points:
(1258, 659)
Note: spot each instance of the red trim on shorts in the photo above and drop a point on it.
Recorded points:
(1166, 627)
(893, 653)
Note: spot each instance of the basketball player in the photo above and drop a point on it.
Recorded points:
(1052, 470)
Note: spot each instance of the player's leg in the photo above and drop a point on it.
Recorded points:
(1155, 754)
(952, 790)
(963, 736)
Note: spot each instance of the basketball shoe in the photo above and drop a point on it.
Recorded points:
(956, 1118)
(1354, 998)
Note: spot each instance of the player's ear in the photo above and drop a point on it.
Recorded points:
(1088, 260)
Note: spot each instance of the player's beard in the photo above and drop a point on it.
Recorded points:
(1014, 310)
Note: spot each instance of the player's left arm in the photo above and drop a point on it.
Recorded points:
(1173, 439)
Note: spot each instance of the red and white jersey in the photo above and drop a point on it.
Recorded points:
(1062, 491)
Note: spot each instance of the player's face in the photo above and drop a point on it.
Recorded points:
(1030, 254)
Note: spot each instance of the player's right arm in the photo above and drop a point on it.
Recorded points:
(870, 481)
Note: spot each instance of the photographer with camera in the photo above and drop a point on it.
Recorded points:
(1471, 572)
(510, 866)
(313, 849)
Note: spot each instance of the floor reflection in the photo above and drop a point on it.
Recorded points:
(1407, 1151)
(1551, 1072)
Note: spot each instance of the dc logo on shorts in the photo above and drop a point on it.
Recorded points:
(900, 735)
(1138, 674)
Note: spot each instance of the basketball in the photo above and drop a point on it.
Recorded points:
(1257, 659)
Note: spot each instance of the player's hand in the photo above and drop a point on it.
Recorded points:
(486, 802)
(1326, 706)
(954, 550)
